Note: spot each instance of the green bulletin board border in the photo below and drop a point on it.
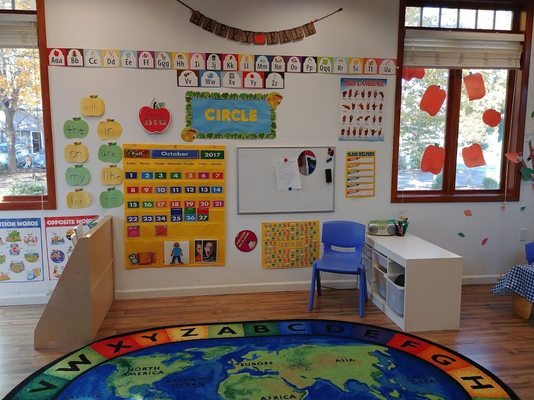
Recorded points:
(190, 95)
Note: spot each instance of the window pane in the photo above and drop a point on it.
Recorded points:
(449, 18)
(467, 19)
(430, 17)
(17, 4)
(474, 131)
(418, 130)
(503, 20)
(413, 16)
(21, 122)
(485, 19)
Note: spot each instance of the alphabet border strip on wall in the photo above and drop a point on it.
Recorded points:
(197, 61)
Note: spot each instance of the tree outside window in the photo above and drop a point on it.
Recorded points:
(26, 170)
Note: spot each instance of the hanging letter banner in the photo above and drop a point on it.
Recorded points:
(231, 115)
(254, 37)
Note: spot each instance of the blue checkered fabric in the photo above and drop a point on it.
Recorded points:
(519, 280)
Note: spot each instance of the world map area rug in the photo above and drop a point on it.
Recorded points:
(264, 360)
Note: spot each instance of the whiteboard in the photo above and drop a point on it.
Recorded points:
(258, 180)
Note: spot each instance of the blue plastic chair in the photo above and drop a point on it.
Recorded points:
(529, 251)
(342, 234)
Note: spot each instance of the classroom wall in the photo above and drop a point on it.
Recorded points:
(308, 116)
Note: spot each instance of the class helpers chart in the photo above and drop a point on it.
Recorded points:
(174, 208)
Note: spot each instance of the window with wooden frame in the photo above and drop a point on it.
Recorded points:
(26, 159)
(461, 100)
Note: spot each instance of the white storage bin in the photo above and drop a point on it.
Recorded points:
(367, 264)
(395, 298)
(380, 283)
(395, 268)
(367, 251)
(380, 261)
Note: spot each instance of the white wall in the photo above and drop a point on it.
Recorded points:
(307, 116)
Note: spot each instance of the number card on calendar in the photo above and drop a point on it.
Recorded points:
(174, 209)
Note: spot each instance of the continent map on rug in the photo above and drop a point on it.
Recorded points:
(264, 360)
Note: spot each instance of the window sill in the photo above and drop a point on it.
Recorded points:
(440, 197)
(22, 203)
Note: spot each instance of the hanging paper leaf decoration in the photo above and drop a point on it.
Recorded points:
(432, 100)
(527, 173)
(433, 159)
(514, 157)
(409, 73)
(474, 85)
(484, 241)
(473, 156)
(461, 234)
(491, 117)
(468, 213)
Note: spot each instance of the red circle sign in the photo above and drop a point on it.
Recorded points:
(246, 241)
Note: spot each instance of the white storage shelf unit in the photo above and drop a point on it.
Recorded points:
(430, 296)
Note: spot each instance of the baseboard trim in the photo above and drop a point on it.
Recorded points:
(227, 289)
(23, 300)
(480, 279)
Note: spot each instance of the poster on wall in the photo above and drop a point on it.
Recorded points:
(290, 244)
(362, 109)
(21, 250)
(232, 115)
(360, 169)
(174, 207)
(59, 247)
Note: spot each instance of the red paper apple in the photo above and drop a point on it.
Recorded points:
(432, 100)
(155, 119)
(473, 156)
(474, 85)
(409, 73)
(491, 117)
(433, 159)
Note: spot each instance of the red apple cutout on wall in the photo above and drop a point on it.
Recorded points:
(155, 119)
(432, 100)
(491, 117)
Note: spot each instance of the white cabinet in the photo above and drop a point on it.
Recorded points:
(417, 284)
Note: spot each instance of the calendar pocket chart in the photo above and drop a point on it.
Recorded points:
(174, 209)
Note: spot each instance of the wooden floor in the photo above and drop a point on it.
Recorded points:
(489, 333)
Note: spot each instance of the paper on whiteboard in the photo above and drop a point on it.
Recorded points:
(287, 174)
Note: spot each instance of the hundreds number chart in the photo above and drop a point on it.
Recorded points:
(174, 209)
